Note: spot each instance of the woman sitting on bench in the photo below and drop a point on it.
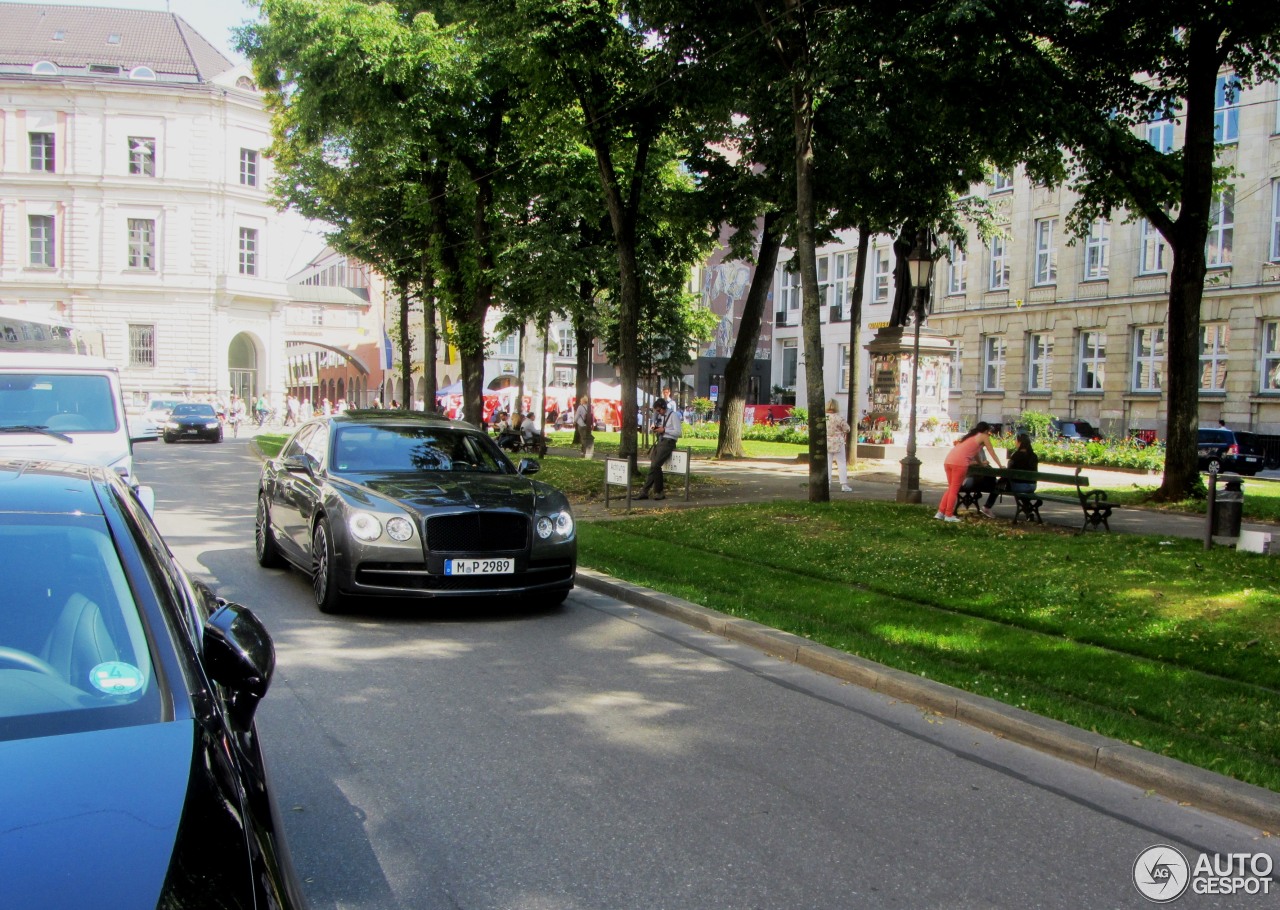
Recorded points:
(1023, 458)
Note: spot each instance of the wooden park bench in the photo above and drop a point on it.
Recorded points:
(1093, 503)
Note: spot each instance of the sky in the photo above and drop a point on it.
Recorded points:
(214, 19)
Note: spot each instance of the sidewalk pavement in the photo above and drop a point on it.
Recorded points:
(757, 481)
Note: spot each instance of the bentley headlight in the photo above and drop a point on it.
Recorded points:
(399, 528)
(560, 524)
(364, 526)
(564, 524)
(545, 527)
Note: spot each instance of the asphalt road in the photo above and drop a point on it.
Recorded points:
(600, 757)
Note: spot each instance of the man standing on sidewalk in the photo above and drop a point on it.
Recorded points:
(667, 427)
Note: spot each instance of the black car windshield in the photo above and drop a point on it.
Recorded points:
(73, 650)
(413, 449)
(194, 410)
(62, 402)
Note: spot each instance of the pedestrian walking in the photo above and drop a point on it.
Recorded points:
(837, 443)
(667, 428)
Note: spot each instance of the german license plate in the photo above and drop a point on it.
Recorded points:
(479, 566)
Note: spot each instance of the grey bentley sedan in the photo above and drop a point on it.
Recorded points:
(375, 503)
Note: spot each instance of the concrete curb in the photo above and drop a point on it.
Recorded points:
(1254, 806)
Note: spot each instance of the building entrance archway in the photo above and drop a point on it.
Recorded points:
(242, 364)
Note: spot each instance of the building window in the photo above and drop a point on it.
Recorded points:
(1001, 181)
(1271, 357)
(1160, 134)
(507, 346)
(1039, 367)
(1226, 109)
(999, 278)
(880, 292)
(565, 343)
(43, 250)
(824, 284)
(1222, 217)
(1213, 356)
(142, 244)
(1097, 251)
(790, 362)
(842, 357)
(844, 268)
(1148, 358)
(958, 273)
(248, 251)
(957, 366)
(993, 360)
(790, 294)
(42, 153)
(248, 167)
(1275, 220)
(1152, 245)
(564, 377)
(142, 156)
(1093, 362)
(1046, 252)
(142, 345)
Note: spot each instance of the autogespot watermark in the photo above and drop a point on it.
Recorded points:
(1162, 873)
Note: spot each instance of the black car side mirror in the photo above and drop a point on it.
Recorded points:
(528, 466)
(298, 464)
(239, 655)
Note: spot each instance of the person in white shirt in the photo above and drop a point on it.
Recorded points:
(667, 427)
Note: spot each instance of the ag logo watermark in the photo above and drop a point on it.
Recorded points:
(1162, 873)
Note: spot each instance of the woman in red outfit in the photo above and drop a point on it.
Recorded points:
(964, 453)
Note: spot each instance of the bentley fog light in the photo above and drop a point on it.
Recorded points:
(364, 526)
(399, 528)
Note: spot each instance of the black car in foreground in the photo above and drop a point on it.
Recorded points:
(193, 420)
(1221, 449)
(130, 771)
(407, 505)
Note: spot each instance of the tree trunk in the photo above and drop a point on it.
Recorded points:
(406, 342)
(737, 373)
(811, 319)
(584, 439)
(855, 330)
(1187, 237)
(430, 340)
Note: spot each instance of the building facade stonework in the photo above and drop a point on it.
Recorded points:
(136, 198)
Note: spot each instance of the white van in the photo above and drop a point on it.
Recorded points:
(68, 404)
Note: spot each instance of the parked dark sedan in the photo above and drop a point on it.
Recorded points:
(130, 772)
(399, 504)
(193, 421)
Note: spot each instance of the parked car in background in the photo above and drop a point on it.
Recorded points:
(130, 767)
(409, 505)
(193, 420)
(1074, 429)
(1221, 449)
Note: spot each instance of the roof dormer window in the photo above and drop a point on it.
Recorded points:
(59, 35)
(143, 72)
(113, 38)
(44, 68)
(104, 69)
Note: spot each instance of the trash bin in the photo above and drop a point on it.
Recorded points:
(1227, 508)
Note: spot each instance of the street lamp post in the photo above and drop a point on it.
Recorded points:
(920, 270)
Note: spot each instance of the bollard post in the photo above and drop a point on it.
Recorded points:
(1208, 512)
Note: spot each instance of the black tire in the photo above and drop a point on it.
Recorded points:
(323, 585)
(264, 539)
(166, 439)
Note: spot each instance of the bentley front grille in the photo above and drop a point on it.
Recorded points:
(478, 532)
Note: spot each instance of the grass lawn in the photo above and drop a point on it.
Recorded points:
(1151, 641)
